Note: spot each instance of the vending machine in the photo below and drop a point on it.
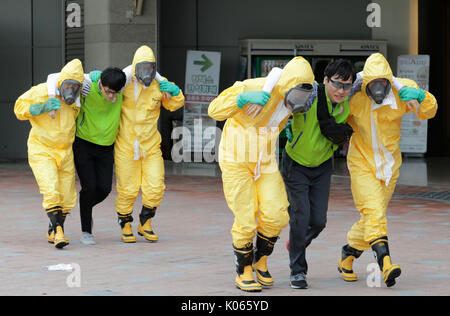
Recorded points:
(259, 56)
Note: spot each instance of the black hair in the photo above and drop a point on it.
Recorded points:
(342, 68)
(113, 78)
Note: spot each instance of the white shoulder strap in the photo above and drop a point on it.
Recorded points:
(52, 82)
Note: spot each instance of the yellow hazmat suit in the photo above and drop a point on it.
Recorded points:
(50, 142)
(245, 143)
(138, 157)
(252, 183)
(374, 156)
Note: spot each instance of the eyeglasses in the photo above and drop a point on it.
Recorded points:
(339, 85)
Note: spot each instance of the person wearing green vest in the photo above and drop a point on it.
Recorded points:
(307, 161)
(97, 127)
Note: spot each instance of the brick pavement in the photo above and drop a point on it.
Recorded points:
(194, 255)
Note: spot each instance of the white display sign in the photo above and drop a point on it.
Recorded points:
(201, 87)
(414, 131)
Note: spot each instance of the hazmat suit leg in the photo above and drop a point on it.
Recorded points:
(56, 180)
(241, 196)
(45, 171)
(128, 176)
(153, 180)
(146, 174)
(247, 198)
(67, 184)
(273, 204)
(273, 217)
(152, 193)
(371, 197)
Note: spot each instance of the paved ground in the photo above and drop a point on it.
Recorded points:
(194, 255)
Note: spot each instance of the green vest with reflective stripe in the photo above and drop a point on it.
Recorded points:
(98, 121)
(309, 147)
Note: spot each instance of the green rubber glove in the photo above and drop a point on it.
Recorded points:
(257, 97)
(410, 93)
(95, 75)
(49, 105)
(287, 132)
(166, 86)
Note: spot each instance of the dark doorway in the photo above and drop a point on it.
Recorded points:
(434, 40)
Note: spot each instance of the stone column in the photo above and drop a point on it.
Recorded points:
(113, 32)
(398, 27)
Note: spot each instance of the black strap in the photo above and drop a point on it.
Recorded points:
(337, 133)
(322, 104)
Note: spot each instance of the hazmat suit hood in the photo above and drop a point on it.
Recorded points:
(142, 54)
(72, 72)
(376, 67)
(296, 72)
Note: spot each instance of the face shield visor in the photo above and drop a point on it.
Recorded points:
(296, 97)
(378, 89)
(145, 72)
(69, 90)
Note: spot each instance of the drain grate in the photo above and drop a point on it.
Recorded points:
(440, 196)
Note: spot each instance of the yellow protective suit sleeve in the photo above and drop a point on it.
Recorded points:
(174, 102)
(37, 94)
(225, 105)
(428, 107)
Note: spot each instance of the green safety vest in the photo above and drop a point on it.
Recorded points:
(309, 147)
(98, 121)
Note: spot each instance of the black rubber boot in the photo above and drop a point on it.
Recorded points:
(56, 217)
(125, 224)
(244, 279)
(345, 264)
(390, 271)
(145, 224)
(264, 248)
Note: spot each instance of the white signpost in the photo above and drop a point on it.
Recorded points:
(414, 131)
(201, 87)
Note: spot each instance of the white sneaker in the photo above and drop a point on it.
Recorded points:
(87, 239)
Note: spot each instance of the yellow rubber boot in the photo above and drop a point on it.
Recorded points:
(246, 282)
(145, 224)
(390, 271)
(60, 240)
(244, 279)
(146, 231)
(264, 248)
(127, 232)
(51, 230)
(55, 233)
(262, 274)
(345, 264)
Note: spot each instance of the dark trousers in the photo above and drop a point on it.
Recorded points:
(308, 190)
(94, 165)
